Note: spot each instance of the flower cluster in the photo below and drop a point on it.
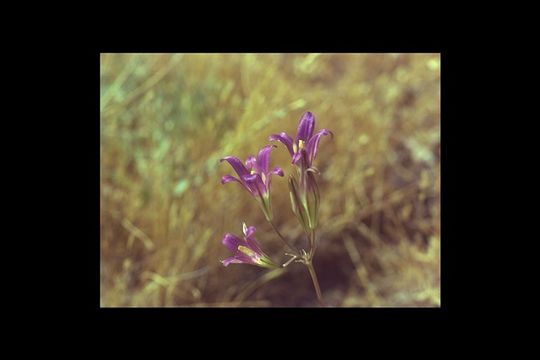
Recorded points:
(256, 177)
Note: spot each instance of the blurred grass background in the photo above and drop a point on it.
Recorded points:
(166, 120)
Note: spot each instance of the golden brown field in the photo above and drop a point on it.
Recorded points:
(166, 120)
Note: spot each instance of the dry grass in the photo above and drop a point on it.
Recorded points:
(166, 120)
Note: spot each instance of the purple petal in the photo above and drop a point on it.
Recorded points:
(250, 231)
(305, 127)
(263, 159)
(285, 139)
(313, 143)
(253, 245)
(238, 259)
(236, 164)
(228, 178)
(231, 260)
(296, 157)
(255, 183)
(250, 162)
(232, 242)
(277, 171)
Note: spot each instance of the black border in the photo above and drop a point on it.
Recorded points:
(88, 142)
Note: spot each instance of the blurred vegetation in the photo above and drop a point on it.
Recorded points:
(166, 120)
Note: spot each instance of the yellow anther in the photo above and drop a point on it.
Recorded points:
(253, 171)
(247, 251)
(300, 144)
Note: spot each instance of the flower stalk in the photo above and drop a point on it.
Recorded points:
(293, 248)
(316, 285)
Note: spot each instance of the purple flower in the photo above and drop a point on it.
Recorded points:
(255, 176)
(304, 193)
(246, 251)
(306, 143)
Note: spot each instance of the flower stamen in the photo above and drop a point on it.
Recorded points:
(247, 251)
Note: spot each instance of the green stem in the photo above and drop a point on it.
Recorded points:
(315, 282)
(284, 240)
(312, 244)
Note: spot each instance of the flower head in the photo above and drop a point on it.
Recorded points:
(255, 176)
(246, 250)
(304, 148)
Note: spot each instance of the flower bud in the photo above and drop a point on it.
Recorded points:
(312, 200)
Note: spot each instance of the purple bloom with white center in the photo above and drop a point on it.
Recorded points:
(246, 250)
(255, 176)
(306, 143)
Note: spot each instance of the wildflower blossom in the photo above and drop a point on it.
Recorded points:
(255, 176)
(304, 193)
(246, 250)
(305, 143)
